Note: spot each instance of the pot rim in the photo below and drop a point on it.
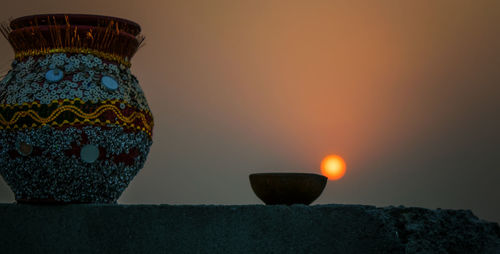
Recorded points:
(75, 19)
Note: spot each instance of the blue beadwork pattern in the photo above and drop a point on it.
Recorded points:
(26, 82)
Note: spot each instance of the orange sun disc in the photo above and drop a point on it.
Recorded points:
(333, 167)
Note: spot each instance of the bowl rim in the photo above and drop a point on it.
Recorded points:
(287, 174)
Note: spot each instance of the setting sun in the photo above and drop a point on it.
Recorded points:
(333, 167)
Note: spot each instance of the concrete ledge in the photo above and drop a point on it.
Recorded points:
(242, 229)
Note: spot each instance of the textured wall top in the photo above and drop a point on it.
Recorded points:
(242, 229)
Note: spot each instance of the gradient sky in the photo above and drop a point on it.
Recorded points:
(406, 91)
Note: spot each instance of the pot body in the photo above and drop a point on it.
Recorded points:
(74, 128)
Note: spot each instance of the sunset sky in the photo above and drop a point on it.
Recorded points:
(407, 92)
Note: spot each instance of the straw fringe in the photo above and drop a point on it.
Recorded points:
(31, 40)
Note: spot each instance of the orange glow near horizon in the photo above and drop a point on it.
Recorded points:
(333, 167)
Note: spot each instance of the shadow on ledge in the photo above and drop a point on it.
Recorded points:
(242, 229)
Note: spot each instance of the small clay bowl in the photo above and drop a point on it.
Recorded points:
(287, 188)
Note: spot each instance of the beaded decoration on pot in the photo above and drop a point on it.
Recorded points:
(75, 125)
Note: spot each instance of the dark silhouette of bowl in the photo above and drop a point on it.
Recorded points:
(287, 188)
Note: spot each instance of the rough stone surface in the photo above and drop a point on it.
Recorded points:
(242, 229)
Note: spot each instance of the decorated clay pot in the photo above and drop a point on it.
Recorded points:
(75, 126)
